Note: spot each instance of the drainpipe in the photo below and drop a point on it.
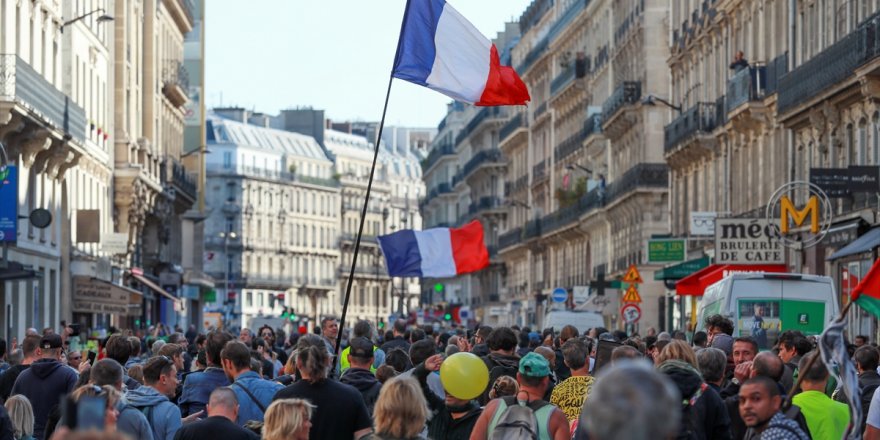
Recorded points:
(792, 33)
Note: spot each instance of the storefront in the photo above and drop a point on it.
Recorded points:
(97, 303)
(850, 264)
(158, 304)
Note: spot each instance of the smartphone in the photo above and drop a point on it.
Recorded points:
(92, 357)
(603, 354)
(86, 414)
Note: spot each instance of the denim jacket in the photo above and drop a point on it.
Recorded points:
(198, 387)
(262, 389)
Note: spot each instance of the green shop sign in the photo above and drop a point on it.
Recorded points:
(666, 251)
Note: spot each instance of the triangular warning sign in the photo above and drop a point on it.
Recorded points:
(632, 295)
(632, 275)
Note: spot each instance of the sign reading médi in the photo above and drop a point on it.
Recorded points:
(8, 203)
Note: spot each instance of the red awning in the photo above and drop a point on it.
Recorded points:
(696, 283)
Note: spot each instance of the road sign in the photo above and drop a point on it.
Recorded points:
(632, 275)
(632, 295)
(630, 313)
(559, 295)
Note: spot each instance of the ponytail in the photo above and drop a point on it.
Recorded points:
(313, 357)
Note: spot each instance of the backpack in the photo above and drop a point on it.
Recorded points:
(520, 420)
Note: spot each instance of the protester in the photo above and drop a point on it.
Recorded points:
(21, 414)
(825, 417)
(288, 419)
(359, 357)
(362, 329)
(792, 346)
(571, 394)
(131, 421)
(480, 346)
(135, 352)
(504, 386)
(866, 359)
(31, 352)
(744, 351)
(533, 377)
(160, 383)
(253, 393)
(502, 359)
(45, 382)
(222, 412)
(637, 403)
(451, 417)
(111, 396)
(341, 412)
(759, 407)
(397, 340)
(118, 348)
(712, 362)
(198, 386)
(329, 332)
(401, 411)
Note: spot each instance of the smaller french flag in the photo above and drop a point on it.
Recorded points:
(442, 50)
(435, 253)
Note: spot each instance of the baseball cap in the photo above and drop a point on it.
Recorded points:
(534, 365)
(534, 336)
(51, 341)
(361, 348)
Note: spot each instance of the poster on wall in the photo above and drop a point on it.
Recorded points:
(765, 319)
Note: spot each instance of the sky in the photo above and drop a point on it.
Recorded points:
(335, 55)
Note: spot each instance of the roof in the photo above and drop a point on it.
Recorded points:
(350, 145)
(263, 138)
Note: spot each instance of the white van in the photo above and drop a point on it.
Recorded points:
(763, 304)
(583, 321)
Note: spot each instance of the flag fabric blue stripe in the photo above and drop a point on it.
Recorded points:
(415, 49)
(832, 348)
(402, 256)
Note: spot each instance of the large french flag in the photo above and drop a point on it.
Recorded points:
(441, 50)
(435, 253)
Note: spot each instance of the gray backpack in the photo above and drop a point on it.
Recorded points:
(519, 419)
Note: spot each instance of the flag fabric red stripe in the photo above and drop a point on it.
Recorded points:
(870, 284)
(504, 86)
(469, 248)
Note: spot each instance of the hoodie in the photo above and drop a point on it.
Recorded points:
(365, 382)
(133, 422)
(442, 424)
(161, 414)
(498, 365)
(704, 415)
(43, 384)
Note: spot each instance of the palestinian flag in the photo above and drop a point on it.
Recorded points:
(867, 293)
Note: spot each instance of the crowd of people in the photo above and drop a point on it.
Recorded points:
(543, 385)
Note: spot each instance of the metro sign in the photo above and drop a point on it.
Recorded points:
(817, 207)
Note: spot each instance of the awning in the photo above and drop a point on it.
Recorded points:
(863, 244)
(696, 283)
(681, 270)
(17, 272)
(198, 278)
(94, 295)
(153, 286)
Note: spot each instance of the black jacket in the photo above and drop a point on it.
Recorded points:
(707, 417)
(869, 381)
(365, 382)
(43, 384)
(442, 425)
(498, 365)
(393, 343)
(216, 427)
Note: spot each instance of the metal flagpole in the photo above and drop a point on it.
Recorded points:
(357, 244)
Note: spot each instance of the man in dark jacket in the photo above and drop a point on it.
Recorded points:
(45, 382)
(452, 418)
(397, 340)
(31, 351)
(360, 357)
(198, 386)
(703, 413)
(866, 359)
(118, 348)
(481, 347)
(222, 412)
(130, 421)
(501, 360)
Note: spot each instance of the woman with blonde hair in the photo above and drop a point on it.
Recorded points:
(400, 412)
(678, 350)
(22, 415)
(288, 419)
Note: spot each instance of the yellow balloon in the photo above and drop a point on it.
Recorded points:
(464, 376)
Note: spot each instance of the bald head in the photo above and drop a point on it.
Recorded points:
(769, 365)
(223, 403)
(548, 354)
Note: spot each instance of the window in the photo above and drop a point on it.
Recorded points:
(227, 159)
(249, 299)
(230, 224)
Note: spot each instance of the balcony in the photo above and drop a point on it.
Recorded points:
(510, 238)
(441, 189)
(832, 66)
(562, 80)
(538, 50)
(692, 129)
(264, 173)
(748, 84)
(775, 70)
(532, 229)
(567, 17)
(540, 110)
(571, 214)
(175, 84)
(539, 172)
(641, 176)
(278, 282)
(21, 84)
(485, 204)
(513, 126)
(446, 149)
(482, 158)
(182, 181)
(475, 122)
(568, 146)
(626, 94)
(521, 183)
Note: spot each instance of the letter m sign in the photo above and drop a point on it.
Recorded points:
(789, 212)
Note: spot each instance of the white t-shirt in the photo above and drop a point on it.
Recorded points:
(874, 412)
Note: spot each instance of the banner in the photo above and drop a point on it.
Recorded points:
(842, 182)
(8, 203)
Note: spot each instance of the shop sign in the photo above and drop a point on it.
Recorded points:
(790, 207)
(8, 203)
(666, 251)
(747, 241)
(703, 223)
(842, 182)
(91, 295)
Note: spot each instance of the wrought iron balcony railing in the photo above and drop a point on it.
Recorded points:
(643, 175)
(539, 170)
(700, 118)
(592, 125)
(516, 122)
(562, 80)
(446, 149)
(748, 84)
(481, 116)
(627, 93)
(510, 238)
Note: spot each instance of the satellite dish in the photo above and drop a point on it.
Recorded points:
(40, 218)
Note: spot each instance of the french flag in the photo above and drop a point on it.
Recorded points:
(435, 253)
(441, 50)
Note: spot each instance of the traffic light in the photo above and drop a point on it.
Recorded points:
(438, 287)
(381, 324)
(284, 313)
(447, 316)
(292, 315)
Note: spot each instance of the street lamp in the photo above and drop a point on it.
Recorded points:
(575, 166)
(513, 202)
(653, 100)
(200, 150)
(101, 19)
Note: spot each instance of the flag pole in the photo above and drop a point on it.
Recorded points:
(810, 362)
(357, 244)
